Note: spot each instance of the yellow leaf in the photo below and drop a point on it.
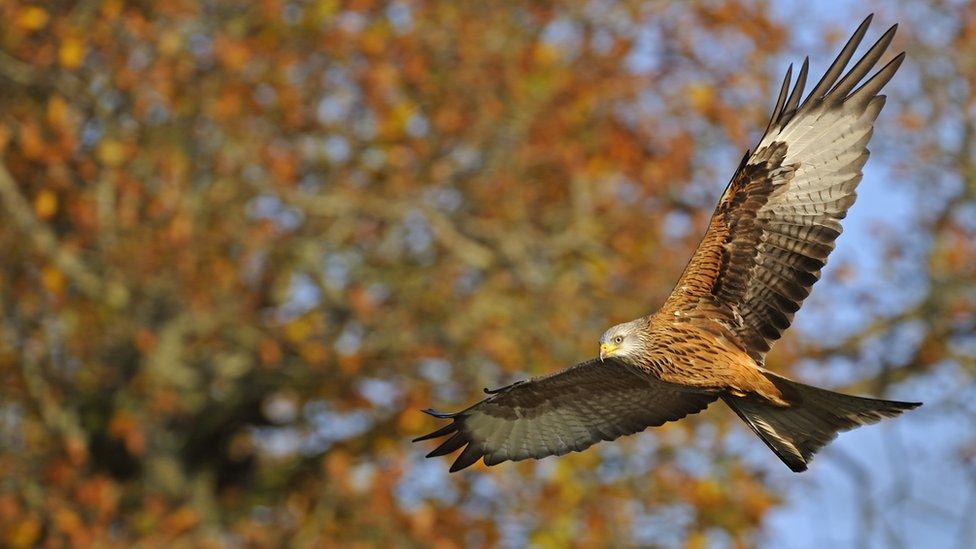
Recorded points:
(410, 421)
(545, 54)
(170, 43)
(701, 96)
(697, 540)
(706, 493)
(326, 9)
(71, 53)
(52, 279)
(24, 533)
(396, 119)
(45, 204)
(111, 152)
(32, 18)
(298, 330)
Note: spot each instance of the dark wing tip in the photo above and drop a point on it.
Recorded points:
(445, 430)
(862, 67)
(780, 100)
(837, 67)
(458, 440)
(471, 453)
(797, 466)
(468, 457)
(871, 88)
(794, 101)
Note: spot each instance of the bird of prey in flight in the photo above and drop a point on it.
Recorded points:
(764, 248)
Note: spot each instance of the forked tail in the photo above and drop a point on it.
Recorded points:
(813, 419)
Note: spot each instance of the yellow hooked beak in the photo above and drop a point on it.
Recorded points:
(607, 350)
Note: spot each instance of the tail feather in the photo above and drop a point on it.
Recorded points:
(814, 417)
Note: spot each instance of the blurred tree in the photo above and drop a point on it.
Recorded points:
(246, 241)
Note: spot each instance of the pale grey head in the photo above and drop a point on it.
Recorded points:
(622, 341)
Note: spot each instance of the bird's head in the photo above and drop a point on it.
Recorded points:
(621, 341)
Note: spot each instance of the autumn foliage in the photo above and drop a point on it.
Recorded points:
(244, 242)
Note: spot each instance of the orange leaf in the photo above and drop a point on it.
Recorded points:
(32, 18)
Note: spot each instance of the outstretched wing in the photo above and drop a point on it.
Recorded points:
(563, 412)
(777, 221)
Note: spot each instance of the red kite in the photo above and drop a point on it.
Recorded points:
(764, 248)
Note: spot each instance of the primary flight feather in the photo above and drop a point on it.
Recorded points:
(764, 248)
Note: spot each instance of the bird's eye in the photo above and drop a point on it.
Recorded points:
(618, 340)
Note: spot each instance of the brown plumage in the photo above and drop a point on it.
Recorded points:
(766, 243)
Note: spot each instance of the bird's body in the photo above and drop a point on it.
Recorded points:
(696, 352)
(764, 248)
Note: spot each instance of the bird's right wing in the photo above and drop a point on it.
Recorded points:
(563, 412)
(776, 223)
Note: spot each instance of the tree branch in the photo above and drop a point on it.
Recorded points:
(43, 237)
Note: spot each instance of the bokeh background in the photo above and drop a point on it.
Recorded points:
(244, 242)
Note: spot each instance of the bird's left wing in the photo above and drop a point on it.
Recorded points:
(563, 412)
(777, 220)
